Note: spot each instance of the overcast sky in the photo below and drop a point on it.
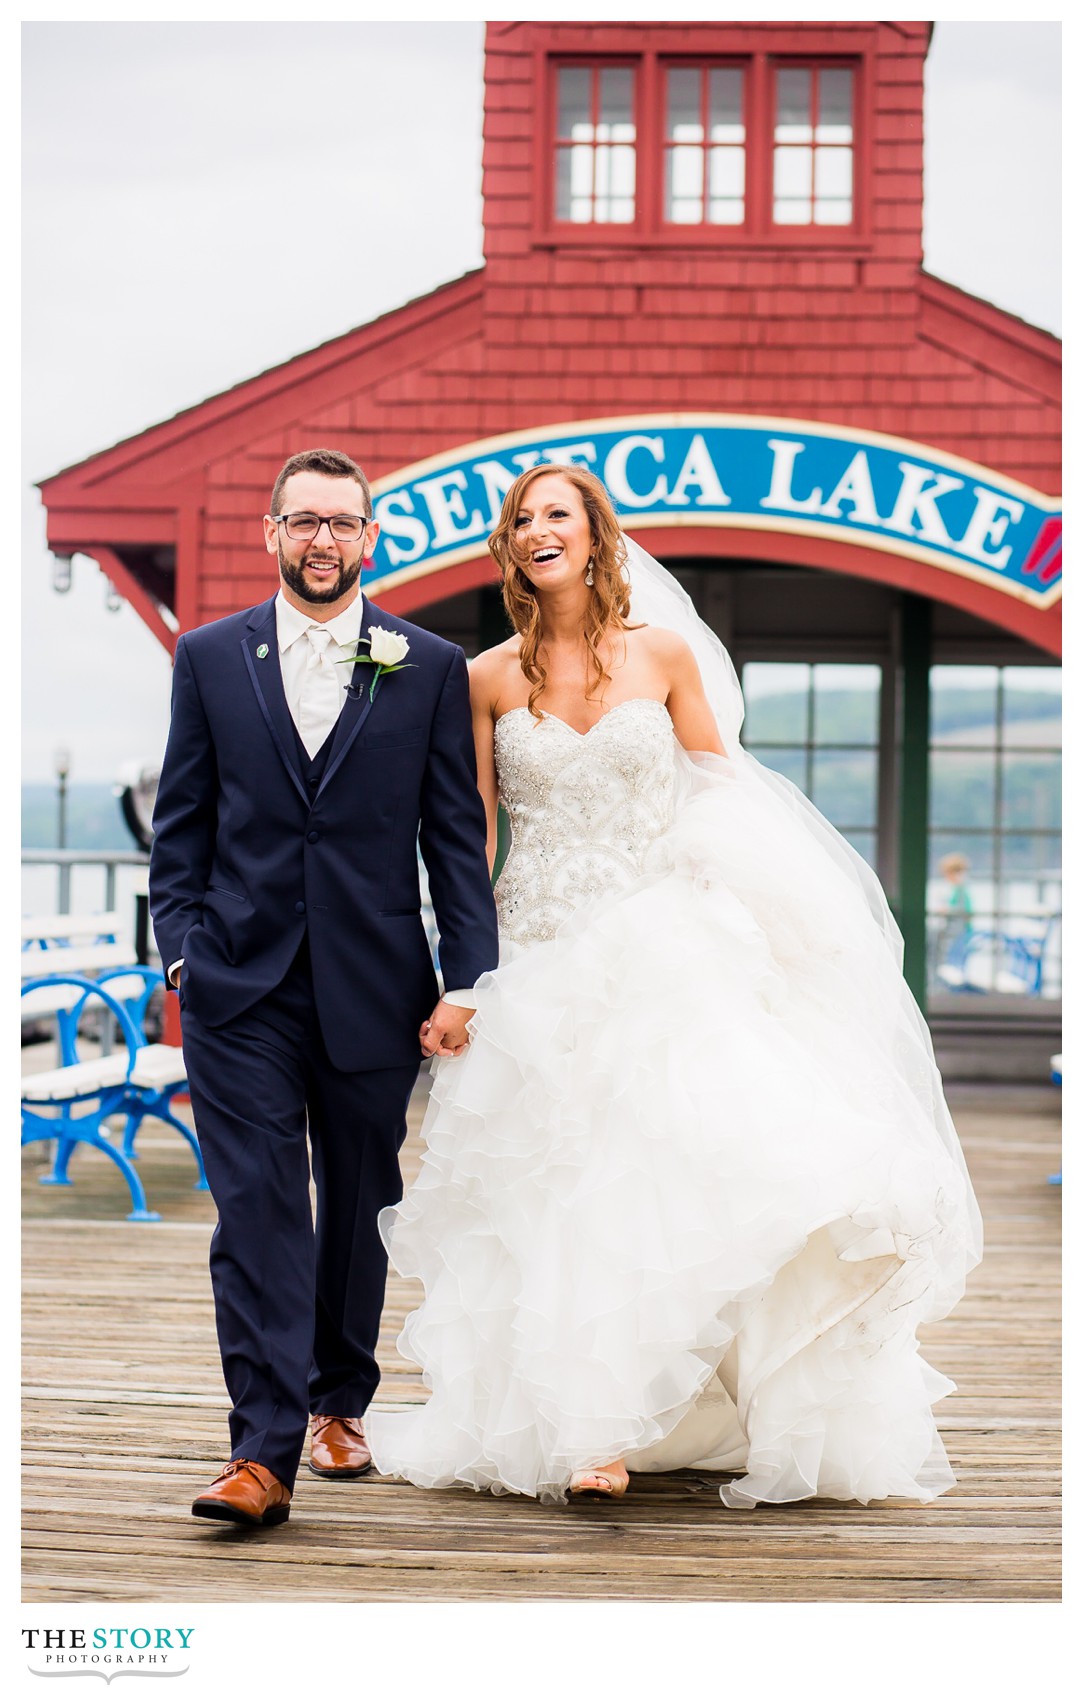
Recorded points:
(157, 161)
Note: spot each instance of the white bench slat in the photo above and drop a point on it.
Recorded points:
(159, 1066)
(60, 1085)
(45, 928)
(49, 1000)
(156, 1067)
(75, 959)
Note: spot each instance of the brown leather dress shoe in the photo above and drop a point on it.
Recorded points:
(339, 1448)
(247, 1493)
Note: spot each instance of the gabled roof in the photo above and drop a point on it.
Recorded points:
(951, 314)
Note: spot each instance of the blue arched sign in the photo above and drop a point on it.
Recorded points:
(783, 475)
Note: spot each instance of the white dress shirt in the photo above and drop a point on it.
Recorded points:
(294, 655)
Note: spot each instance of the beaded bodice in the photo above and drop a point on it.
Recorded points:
(584, 809)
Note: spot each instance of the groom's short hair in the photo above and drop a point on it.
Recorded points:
(331, 461)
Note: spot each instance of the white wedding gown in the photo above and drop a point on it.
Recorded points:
(693, 1186)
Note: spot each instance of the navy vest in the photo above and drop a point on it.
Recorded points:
(311, 767)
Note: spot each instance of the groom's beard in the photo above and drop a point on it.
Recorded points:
(331, 589)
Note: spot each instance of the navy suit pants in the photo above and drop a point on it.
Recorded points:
(297, 1305)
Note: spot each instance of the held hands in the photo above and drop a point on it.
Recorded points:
(444, 1034)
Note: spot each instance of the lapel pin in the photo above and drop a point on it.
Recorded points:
(261, 652)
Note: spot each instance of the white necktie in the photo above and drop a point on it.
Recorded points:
(321, 696)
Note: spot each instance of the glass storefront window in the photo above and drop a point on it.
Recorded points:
(818, 724)
(994, 874)
(1030, 790)
(844, 785)
(776, 702)
(846, 703)
(791, 760)
(1032, 711)
(963, 703)
(962, 788)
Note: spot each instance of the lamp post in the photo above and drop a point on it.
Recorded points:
(62, 767)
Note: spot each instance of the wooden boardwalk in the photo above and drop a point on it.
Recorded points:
(125, 1419)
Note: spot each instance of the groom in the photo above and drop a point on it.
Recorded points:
(286, 904)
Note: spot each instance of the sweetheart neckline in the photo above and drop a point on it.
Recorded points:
(524, 709)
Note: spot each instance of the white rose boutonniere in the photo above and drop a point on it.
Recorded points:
(387, 650)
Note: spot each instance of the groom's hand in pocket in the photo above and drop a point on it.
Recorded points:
(444, 1034)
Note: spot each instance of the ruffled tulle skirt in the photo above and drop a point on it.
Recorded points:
(690, 1193)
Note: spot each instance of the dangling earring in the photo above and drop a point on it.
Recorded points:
(590, 575)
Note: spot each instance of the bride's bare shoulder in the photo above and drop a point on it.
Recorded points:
(491, 670)
(493, 663)
(661, 645)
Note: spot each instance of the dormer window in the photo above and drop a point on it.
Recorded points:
(744, 151)
(704, 170)
(813, 145)
(595, 144)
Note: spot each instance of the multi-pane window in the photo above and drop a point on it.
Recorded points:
(994, 891)
(818, 724)
(813, 176)
(595, 144)
(704, 145)
(763, 149)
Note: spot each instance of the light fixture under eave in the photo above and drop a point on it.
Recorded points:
(114, 601)
(62, 574)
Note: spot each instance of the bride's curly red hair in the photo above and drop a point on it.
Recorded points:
(608, 602)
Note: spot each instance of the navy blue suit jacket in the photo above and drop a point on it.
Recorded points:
(246, 857)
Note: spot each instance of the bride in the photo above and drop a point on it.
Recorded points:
(693, 1186)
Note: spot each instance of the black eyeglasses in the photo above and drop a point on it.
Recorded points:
(345, 528)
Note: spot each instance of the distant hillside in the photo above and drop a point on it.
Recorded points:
(94, 819)
(850, 716)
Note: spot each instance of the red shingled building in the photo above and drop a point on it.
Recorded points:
(703, 277)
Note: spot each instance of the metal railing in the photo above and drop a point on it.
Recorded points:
(108, 860)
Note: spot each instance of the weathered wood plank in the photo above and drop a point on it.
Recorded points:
(119, 1348)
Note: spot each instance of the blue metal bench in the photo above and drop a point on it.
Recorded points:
(159, 1074)
(135, 1082)
(1025, 959)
